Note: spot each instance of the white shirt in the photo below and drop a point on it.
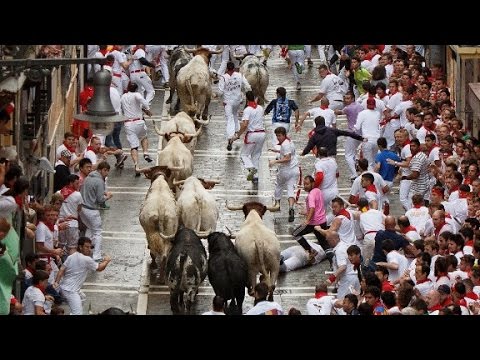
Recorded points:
(266, 308)
(211, 312)
(328, 115)
(400, 109)
(70, 207)
(321, 306)
(379, 106)
(331, 86)
(132, 104)
(136, 64)
(77, 267)
(358, 190)
(120, 58)
(230, 87)
(44, 235)
(418, 218)
(33, 297)
(368, 122)
(254, 118)
(115, 98)
(286, 148)
(346, 231)
(372, 220)
(327, 166)
(396, 258)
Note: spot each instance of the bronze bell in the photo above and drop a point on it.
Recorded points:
(100, 112)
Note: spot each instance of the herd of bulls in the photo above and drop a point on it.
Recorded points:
(178, 210)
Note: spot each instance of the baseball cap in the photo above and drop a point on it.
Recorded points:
(444, 289)
(371, 103)
(66, 153)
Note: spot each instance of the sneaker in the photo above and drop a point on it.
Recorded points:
(229, 146)
(147, 158)
(329, 253)
(299, 86)
(104, 207)
(291, 215)
(299, 67)
(121, 160)
(251, 173)
(137, 174)
(255, 181)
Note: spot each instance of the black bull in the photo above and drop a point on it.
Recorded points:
(186, 269)
(227, 271)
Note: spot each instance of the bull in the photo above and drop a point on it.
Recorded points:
(158, 216)
(227, 271)
(196, 207)
(186, 269)
(258, 245)
(193, 83)
(177, 158)
(180, 124)
(179, 57)
(257, 75)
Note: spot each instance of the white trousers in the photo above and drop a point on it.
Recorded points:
(93, 222)
(404, 192)
(296, 56)
(74, 301)
(321, 52)
(345, 282)
(351, 146)
(286, 178)
(231, 116)
(370, 150)
(144, 85)
(251, 151)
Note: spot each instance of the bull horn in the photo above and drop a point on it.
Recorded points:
(179, 182)
(157, 130)
(233, 208)
(167, 237)
(142, 171)
(203, 234)
(191, 51)
(196, 134)
(230, 234)
(274, 208)
(175, 168)
(202, 122)
(212, 181)
(219, 51)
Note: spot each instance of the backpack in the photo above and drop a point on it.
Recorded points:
(282, 110)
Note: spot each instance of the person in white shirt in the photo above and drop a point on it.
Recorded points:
(218, 306)
(288, 170)
(133, 107)
(34, 298)
(252, 123)
(261, 305)
(322, 303)
(73, 274)
(120, 65)
(139, 76)
(327, 113)
(396, 262)
(230, 87)
(368, 123)
(331, 88)
(295, 257)
(326, 171)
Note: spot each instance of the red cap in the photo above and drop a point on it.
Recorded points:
(371, 103)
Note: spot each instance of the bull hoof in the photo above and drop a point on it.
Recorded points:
(168, 101)
(204, 117)
(270, 297)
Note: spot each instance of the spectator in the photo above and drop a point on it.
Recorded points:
(218, 306)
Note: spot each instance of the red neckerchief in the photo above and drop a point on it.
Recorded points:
(66, 191)
(345, 213)
(417, 206)
(406, 143)
(448, 216)
(455, 188)
(69, 148)
(448, 301)
(433, 147)
(409, 228)
(323, 107)
(463, 194)
(103, 51)
(387, 286)
(469, 243)
(371, 188)
(471, 295)
(32, 270)
(437, 229)
(391, 93)
(230, 72)
(381, 97)
(436, 307)
(49, 226)
(430, 128)
(41, 287)
(320, 294)
(356, 266)
(467, 181)
(19, 201)
(443, 274)
(89, 147)
(252, 104)
(423, 281)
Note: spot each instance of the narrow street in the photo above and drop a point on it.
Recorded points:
(127, 282)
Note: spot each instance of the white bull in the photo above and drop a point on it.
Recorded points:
(257, 75)
(180, 124)
(193, 84)
(158, 217)
(196, 207)
(258, 245)
(177, 158)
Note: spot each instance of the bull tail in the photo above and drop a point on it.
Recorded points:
(190, 109)
(261, 253)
